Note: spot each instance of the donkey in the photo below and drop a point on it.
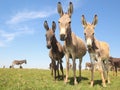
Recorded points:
(98, 50)
(74, 47)
(88, 65)
(18, 62)
(115, 62)
(56, 51)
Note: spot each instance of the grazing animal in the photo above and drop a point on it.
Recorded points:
(74, 47)
(98, 50)
(56, 51)
(18, 62)
(88, 65)
(115, 63)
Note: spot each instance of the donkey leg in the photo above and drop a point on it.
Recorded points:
(107, 71)
(54, 67)
(80, 61)
(61, 68)
(101, 72)
(67, 68)
(104, 70)
(57, 67)
(92, 74)
(92, 69)
(116, 70)
(74, 71)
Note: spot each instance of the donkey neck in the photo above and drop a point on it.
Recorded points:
(68, 40)
(95, 46)
(54, 44)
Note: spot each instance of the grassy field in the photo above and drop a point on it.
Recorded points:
(37, 79)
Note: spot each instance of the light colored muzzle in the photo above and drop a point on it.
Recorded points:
(89, 42)
(62, 34)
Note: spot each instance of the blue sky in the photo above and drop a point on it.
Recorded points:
(22, 35)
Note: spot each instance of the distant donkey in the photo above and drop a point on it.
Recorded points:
(115, 62)
(74, 47)
(18, 62)
(98, 50)
(56, 51)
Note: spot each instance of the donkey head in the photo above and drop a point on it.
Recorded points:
(65, 20)
(89, 30)
(49, 33)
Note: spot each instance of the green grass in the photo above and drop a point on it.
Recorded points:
(37, 79)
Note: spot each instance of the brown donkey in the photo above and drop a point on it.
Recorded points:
(98, 50)
(56, 51)
(74, 47)
(115, 63)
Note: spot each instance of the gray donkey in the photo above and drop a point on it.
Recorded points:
(98, 50)
(74, 47)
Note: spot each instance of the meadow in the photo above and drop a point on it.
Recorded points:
(39, 79)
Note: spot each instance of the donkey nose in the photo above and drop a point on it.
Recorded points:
(62, 37)
(48, 46)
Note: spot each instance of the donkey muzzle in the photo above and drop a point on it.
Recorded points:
(62, 37)
(48, 44)
(89, 42)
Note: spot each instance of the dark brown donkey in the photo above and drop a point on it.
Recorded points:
(56, 51)
(115, 62)
(98, 51)
(74, 47)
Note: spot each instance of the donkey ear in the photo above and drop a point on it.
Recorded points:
(70, 9)
(59, 8)
(46, 25)
(95, 20)
(84, 23)
(53, 26)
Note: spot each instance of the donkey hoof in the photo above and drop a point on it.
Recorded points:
(91, 85)
(65, 81)
(75, 83)
(109, 82)
(104, 85)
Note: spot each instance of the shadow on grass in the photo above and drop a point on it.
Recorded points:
(60, 78)
(78, 80)
(97, 82)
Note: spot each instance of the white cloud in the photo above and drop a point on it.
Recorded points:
(29, 15)
(18, 25)
(7, 37)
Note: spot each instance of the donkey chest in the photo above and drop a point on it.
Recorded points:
(56, 55)
(93, 56)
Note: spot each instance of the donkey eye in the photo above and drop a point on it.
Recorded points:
(70, 22)
(58, 21)
(93, 34)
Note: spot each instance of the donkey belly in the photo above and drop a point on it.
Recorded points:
(72, 52)
(57, 56)
(104, 50)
